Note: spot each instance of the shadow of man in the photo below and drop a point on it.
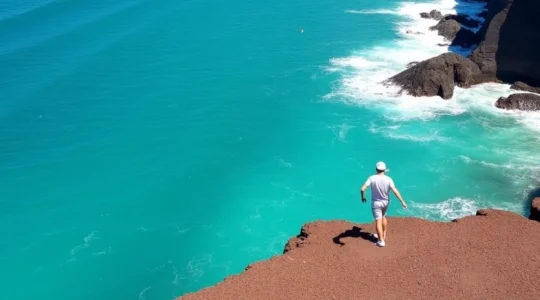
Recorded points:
(355, 232)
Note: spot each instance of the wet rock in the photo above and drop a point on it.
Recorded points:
(522, 86)
(435, 14)
(447, 28)
(437, 76)
(521, 101)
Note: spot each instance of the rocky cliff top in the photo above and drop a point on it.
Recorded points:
(493, 255)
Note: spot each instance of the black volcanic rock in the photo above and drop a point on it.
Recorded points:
(434, 14)
(437, 76)
(522, 101)
(510, 46)
(447, 28)
(522, 86)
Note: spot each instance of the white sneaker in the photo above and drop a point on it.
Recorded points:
(375, 236)
(381, 243)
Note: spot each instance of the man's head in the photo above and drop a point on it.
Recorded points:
(380, 167)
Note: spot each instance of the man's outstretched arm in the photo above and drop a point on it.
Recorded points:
(398, 195)
(362, 191)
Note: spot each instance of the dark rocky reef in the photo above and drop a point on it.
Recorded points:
(521, 101)
(437, 76)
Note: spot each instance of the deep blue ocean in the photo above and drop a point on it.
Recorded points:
(152, 148)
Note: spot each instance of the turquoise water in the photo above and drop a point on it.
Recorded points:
(151, 148)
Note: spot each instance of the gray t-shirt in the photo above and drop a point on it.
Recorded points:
(380, 186)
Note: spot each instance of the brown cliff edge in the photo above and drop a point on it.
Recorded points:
(493, 255)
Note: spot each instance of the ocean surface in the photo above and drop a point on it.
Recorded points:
(151, 148)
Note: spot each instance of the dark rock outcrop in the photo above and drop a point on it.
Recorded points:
(522, 86)
(437, 76)
(535, 210)
(510, 46)
(451, 27)
(521, 101)
(434, 14)
(447, 28)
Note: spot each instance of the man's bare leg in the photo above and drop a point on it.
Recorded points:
(379, 226)
(384, 227)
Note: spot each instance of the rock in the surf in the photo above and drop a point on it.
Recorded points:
(522, 86)
(447, 28)
(437, 76)
(521, 101)
(434, 14)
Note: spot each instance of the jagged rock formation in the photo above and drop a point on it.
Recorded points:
(437, 76)
(434, 14)
(510, 47)
(521, 101)
(447, 28)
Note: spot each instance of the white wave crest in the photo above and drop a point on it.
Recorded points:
(392, 132)
(455, 208)
(371, 12)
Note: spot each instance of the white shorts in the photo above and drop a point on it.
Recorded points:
(379, 208)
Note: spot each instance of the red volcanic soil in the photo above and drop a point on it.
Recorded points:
(493, 255)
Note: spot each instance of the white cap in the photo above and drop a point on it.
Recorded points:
(381, 166)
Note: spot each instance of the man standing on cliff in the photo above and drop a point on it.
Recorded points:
(380, 188)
